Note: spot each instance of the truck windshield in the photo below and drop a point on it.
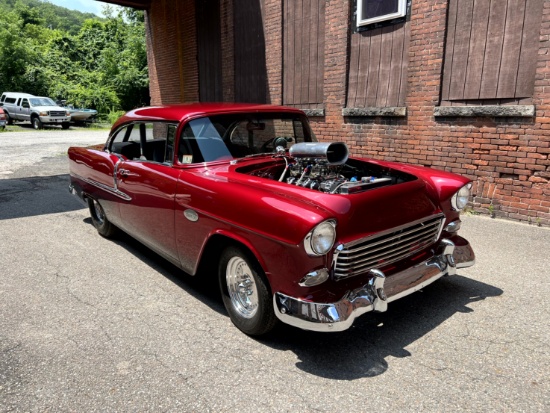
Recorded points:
(42, 102)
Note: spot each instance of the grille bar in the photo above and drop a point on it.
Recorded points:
(389, 247)
(435, 225)
(386, 254)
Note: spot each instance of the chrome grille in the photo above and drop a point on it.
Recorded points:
(382, 249)
(57, 113)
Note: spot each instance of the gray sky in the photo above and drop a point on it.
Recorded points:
(86, 6)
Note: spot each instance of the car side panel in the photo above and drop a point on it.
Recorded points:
(93, 171)
(206, 206)
(148, 213)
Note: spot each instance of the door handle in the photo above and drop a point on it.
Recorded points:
(125, 172)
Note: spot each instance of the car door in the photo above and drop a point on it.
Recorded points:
(25, 110)
(15, 113)
(146, 176)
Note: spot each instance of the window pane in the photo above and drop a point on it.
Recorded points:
(377, 8)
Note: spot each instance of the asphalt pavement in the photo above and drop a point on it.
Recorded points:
(92, 325)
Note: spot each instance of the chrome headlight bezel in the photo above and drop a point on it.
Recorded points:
(320, 240)
(461, 198)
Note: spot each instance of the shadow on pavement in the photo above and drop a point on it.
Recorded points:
(359, 352)
(362, 351)
(38, 195)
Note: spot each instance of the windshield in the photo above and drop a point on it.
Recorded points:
(240, 135)
(42, 102)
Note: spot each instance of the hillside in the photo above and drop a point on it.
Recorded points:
(50, 15)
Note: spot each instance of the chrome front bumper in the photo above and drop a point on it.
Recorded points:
(375, 295)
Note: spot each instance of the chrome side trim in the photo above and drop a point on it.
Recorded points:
(114, 191)
(340, 315)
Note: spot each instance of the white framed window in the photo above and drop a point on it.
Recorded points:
(374, 11)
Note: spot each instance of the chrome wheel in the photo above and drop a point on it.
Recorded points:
(100, 220)
(241, 287)
(99, 215)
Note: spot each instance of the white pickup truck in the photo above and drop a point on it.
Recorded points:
(38, 110)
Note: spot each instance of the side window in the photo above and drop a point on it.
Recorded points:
(146, 141)
(170, 142)
(201, 142)
(25, 103)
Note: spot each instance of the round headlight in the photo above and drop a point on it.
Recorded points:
(460, 199)
(320, 239)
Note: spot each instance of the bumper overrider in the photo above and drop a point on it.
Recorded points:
(376, 294)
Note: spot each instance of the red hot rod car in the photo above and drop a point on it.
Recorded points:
(299, 231)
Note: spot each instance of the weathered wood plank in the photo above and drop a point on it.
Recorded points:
(511, 49)
(493, 49)
(397, 62)
(305, 52)
(314, 17)
(386, 49)
(461, 48)
(287, 46)
(250, 63)
(449, 50)
(363, 69)
(353, 74)
(404, 66)
(298, 56)
(374, 67)
(476, 53)
(529, 47)
(320, 93)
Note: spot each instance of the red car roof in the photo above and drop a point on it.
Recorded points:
(185, 111)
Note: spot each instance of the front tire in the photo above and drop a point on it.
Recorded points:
(37, 123)
(103, 226)
(245, 292)
(65, 125)
(9, 120)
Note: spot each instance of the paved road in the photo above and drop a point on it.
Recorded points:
(88, 324)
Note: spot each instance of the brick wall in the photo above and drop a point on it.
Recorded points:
(172, 51)
(506, 157)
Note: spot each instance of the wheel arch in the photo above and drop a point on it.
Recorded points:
(216, 243)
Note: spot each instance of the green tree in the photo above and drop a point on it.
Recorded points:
(99, 63)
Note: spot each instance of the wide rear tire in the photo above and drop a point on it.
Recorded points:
(103, 226)
(245, 292)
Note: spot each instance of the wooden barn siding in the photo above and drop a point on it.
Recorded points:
(209, 51)
(491, 50)
(378, 67)
(250, 51)
(303, 52)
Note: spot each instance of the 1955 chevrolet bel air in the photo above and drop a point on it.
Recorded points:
(298, 230)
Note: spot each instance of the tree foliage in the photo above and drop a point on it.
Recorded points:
(92, 62)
